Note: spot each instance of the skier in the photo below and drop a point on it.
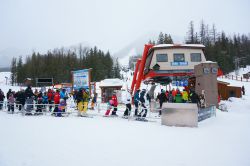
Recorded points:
(56, 101)
(85, 100)
(162, 98)
(21, 99)
(93, 101)
(127, 101)
(115, 104)
(8, 95)
(109, 107)
(79, 101)
(143, 104)
(1, 99)
(39, 102)
(61, 108)
(50, 99)
(29, 99)
(11, 102)
(136, 101)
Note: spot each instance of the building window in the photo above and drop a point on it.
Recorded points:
(179, 58)
(161, 57)
(195, 57)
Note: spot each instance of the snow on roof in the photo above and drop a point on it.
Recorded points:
(208, 62)
(111, 82)
(179, 45)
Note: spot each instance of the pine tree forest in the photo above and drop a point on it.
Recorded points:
(59, 63)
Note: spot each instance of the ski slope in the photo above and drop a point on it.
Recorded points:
(99, 141)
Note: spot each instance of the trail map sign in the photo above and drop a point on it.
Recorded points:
(81, 79)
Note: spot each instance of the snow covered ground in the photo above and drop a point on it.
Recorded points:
(98, 141)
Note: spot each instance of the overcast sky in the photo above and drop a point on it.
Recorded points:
(110, 24)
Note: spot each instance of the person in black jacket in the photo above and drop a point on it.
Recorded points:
(8, 95)
(20, 97)
(162, 98)
(29, 99)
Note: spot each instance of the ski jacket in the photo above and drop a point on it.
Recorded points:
(162, 97)
(11, 98)
(50, 95)
(136, 97)
(1, 96)
(142, 97)
(62, 95)
(45, 99)
(127, 98)
(114, 98)
(85, 96)
(185, 95)
(28, 93)
(57, 98)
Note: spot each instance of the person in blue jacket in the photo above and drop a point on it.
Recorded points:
(136, 101)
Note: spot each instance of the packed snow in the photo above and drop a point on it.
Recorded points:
(98, 141)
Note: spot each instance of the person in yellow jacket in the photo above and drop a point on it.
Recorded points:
(85, 100)
(184, 96)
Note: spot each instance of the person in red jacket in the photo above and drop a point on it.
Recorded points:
(115, 104)
(50, 98)
(56, 101)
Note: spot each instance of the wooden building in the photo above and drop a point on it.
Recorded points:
(108, 87)
(225, 90)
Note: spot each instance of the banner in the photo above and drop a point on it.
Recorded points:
(81, 79)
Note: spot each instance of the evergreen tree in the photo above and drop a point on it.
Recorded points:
(160, 38)
(13, 71)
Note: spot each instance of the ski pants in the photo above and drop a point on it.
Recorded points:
(128, 110)
(10, 107)
(114, 111)
(144, 109)
(136, 108)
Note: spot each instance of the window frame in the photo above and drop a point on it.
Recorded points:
(194, 58)
(174, 60)
(162, 54)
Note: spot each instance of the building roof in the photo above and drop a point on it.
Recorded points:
(179, 46)
(111, 83)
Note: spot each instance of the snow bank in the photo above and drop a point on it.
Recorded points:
(98, 141)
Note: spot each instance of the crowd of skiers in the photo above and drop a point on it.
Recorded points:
(82, 98)
(140, 98)
(177, 96)
(28, 97)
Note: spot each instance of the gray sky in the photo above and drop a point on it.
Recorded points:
(110, 24)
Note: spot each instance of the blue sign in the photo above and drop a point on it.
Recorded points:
(179, 63)
(180, 83)
(81, 79)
